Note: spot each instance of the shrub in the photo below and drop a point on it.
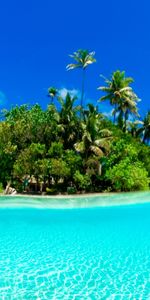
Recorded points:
(83, 182)
(51, 191)
(73, 161)
(126, 176)
(18, 186)
(1, 188)
(71, 190)
(56, 149)
(59, 168)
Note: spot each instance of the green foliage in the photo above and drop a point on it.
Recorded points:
(70, 148)
(59, 169)
(93, 166)
(127, 176)
(121, 96)
(95, 140)
(69, 121)
(73, 161)
(51, 191)
(89, 157)
(144, 156)
(28, 161)
(52, 93)
(146, 128)
(19, 187)
(121, 148)
(56, 149)
(82, 58)
(1, 188)
(71, 190)
(83, 182)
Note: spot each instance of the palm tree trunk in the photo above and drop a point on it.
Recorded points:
(52, 100)
(115, 113)
(144, 137)
(125, 120)
(120, 119)
(82, 91)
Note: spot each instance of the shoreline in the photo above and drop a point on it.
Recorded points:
(74, 201)
(82, 195)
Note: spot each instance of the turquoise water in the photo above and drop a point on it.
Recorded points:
(83, 253)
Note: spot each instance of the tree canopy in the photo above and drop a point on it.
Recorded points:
(61, 150)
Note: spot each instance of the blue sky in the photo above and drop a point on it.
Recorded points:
(37, 37)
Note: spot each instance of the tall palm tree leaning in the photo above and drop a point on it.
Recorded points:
(52, 93)
(121, 96)
(83, 58)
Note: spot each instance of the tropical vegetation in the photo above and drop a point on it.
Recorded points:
(69, 148)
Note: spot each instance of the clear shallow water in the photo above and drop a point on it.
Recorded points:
(88, 253)
(68, 202)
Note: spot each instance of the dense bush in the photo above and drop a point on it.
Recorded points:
(71, 190)
(82, 182)
(126, 176)
(71, 148)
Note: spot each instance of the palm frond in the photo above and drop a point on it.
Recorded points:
(83, 58)
(73, 66)
(79, 147)
(97, 151)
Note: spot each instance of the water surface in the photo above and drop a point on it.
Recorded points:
(81, 201)
(88, 253)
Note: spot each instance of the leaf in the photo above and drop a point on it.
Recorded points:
(80, 147)
(96, 150)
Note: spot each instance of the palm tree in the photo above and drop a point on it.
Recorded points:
(52, 93)
(127, 106)
(121, 96)
(95, 141)
(134, 127)
(68, 119)
(83, 58)
(146, 128)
